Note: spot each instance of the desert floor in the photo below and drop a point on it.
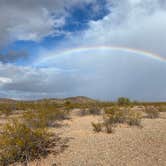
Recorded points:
(127, 146)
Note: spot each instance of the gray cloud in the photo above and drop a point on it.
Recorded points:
(137, 24)
(33, 20)
(13, 56)
(104, 75)
(107, 75)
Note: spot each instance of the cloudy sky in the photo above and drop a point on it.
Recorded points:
(97, 48)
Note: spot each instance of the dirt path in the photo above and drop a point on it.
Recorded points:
(128, 146)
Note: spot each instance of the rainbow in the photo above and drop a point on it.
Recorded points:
(137, 52)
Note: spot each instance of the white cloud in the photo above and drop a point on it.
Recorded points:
(4, 80)
(33, 20)
(135, 24)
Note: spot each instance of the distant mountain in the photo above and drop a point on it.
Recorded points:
(80, 99)
(6, 100)
(77, 99)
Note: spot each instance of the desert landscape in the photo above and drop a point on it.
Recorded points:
(82, 131)
(82, 82)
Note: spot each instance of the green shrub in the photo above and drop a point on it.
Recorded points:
(152, 112)
(6, 109)
(97, 127)
(109, 128)
(42, 118)
(94, 111)
(20, 143)
(133, 118)
(162, 108)
(123, 101)
(90, 111)
(116, 115)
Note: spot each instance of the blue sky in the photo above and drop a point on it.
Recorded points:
(35, 35)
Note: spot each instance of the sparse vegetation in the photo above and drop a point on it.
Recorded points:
(116, 115)
(6, 109)
(42, 118)
(20, 143)
(28, 138)
(97, 127)
(133, 118)
(162, 108)
(152, 112)
(91, 110)
(123, 101)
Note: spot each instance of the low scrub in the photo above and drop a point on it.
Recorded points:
(90, 111)
(162, 108)
(123, 115)
(116, 115)
(123, 101)
(97, 127)
(133, 118)
(42, 118)
(21, 143)
(6, 109)
(152, 112)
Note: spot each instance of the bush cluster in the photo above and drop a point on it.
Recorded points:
(162, 108)
(92, 110)
(21, 143)
(123, 101)
(116, 115)
(6, 109)
(152, 112)
(27, 138)
(42, 118)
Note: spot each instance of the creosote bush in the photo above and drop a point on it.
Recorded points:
(42, 118)
(162, 108)
(21, 143)
(133, 118)
(123, 115)
(116, 115)
(152, 112)
(92, 110)
(28, 138)
(123, 101)
(97, 127)
(6, 109)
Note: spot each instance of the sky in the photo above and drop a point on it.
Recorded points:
(103, 49)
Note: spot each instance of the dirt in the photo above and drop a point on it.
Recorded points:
(127, 146)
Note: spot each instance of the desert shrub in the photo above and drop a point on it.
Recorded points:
(90, 111)
(6, 109)
(123, 101)
(116, 115)
(83, 112)
(108, 124)
(162, 108)
(20, 143)
(97, 127)
(42, 118)
(94, 111)
(133, 118)
(109, 128)
(152, 112)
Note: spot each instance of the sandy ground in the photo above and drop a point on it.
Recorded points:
(128, 146)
